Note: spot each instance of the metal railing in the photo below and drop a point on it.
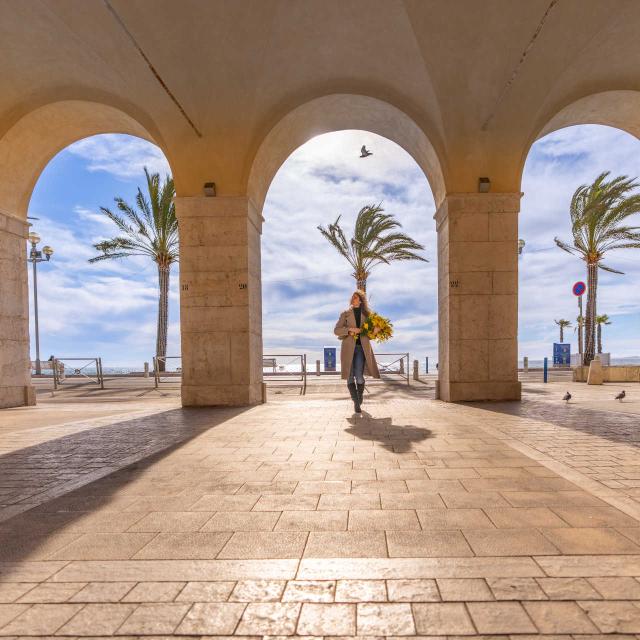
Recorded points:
(62, 371)
(164, 377)
(399, 366)
(284, 368)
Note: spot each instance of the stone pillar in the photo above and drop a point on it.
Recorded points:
(220, 301)
(15, 365)
(478, 296)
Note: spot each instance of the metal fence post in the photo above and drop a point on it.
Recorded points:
(426, 364)
(546, 370)
(317, 367)
(100, 373)
(304, 373)
(525, 364)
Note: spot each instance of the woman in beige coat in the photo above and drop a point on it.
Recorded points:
(356, 354)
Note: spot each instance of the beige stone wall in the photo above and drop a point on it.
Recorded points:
(15, 375)
(610, 374)
(478, 296)
(220, 301)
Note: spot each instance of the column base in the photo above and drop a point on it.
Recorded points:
(232, 395)
(17, 397)
(480, 391)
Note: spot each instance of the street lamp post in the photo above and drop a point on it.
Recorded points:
(35, 256)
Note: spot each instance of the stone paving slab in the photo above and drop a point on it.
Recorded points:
(595, 449)
(300, 519)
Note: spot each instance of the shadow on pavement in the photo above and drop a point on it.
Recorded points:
(393, 437)
(614, 426)
(57, 474)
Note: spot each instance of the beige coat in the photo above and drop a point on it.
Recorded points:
(347, 319)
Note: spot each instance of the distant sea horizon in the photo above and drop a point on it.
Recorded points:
(311, 364)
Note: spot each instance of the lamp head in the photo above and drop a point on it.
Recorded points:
(34, 238)
(521, 244)
(48, 251)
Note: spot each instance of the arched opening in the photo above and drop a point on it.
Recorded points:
(108, 308)
(26, 148)
(306, 283)
(595, 134)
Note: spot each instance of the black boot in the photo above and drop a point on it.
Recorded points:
(360, 393)
(354, 396)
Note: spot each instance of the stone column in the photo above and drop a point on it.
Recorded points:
(220, 301)
(478, 296)
(15, 366)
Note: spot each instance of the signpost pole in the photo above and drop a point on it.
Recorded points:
(578, 290)
(580, 321)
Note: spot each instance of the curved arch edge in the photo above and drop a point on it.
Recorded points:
(339, 112)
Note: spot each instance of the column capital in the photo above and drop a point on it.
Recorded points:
(469, 203)
(13, 225)
(218, 207)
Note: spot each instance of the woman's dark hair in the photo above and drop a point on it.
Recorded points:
(364, 303)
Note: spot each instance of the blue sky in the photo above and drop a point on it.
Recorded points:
(109, 308)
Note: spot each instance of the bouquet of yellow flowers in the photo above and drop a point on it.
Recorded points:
(376, 327)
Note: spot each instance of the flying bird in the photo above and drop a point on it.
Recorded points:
(364, 152)
(567, 397)
(621, 395)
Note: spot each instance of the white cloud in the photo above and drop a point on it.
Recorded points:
(306, 283)
(121, 156)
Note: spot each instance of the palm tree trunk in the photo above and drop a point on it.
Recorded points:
(163, 314)
(599, 337)
(590, 335)
(561, 334)
(361, 283)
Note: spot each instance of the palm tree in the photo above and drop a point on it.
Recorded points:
(600, 320)
(374, 241)
(150, 231)
(562, 324)
(598, 214)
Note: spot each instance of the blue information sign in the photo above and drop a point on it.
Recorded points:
(561, 353)
(330, 358)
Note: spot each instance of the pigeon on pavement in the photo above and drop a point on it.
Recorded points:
(621, 395)
(567, 397)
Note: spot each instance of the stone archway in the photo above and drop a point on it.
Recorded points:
(25, 149)
(220, 273)
(339, 112)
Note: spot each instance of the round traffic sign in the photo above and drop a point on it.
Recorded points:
(579, 288)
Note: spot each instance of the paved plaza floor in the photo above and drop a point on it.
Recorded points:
(135, 517)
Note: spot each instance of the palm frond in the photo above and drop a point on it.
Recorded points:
(374, 241)
(151, 229)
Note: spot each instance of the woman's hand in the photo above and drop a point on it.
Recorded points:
(353, 331)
